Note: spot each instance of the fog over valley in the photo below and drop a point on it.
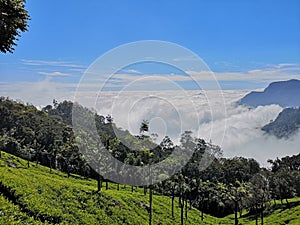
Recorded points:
(174, 113)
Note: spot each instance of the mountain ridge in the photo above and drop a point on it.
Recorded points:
(283, 93)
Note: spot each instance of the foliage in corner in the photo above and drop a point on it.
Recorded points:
(13, 20)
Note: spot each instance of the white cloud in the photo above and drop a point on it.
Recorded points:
(132, 71)
(270, 73)
(32, 62)
(274, 73)
(38, 93)
(185, 59)
(289, 65)
(55, 74)
(191, 111)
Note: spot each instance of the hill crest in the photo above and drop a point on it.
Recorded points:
(283, 93)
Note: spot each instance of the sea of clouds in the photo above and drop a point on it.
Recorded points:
(219, 119)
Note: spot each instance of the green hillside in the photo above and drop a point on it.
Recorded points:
(35, 196)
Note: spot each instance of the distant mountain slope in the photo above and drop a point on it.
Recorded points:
(286, 124)
(283, 93)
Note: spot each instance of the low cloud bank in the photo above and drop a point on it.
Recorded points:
(173, 113)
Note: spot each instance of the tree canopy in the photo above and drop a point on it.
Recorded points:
(13, 20)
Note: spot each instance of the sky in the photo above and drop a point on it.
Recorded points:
(74, 49)
(247, 44)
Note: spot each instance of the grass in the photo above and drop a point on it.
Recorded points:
(279, 214)
(36, 196)
(11, 214)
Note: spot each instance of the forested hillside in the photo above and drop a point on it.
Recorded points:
(45, 137)
(285, 125)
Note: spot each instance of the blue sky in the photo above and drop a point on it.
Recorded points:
(234, 38)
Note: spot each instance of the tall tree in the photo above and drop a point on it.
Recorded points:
(3, 141)
(283, 184)
(235, 194)
(13, 20)
(260, 194)
(150, 201)
(144, 127)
